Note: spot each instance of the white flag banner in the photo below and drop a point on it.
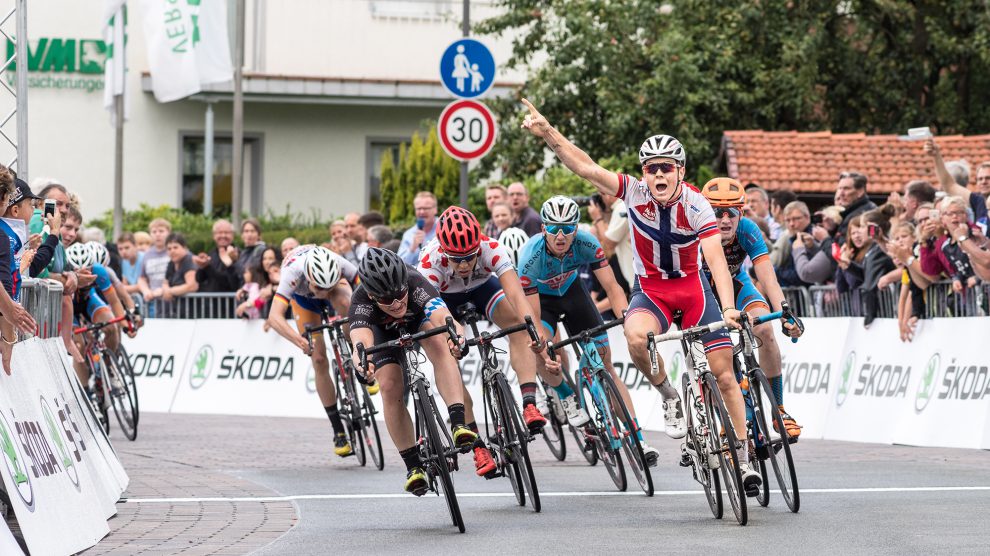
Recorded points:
(115, 71)
(187, 46)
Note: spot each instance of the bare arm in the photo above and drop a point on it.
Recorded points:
(276, 319)
(768, 278)
(945, 181)
(711, 248)
(573, 158)
(190, 286)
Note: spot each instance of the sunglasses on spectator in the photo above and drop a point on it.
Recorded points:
(458, 259)
(665, 167)
(391, 298)
(554, 229)
(720, 212)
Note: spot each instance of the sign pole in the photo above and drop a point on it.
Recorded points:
(208, 161)
(238, 140)
(465, 31)
(118, 167)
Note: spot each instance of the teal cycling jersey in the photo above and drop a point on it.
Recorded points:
(540, 271)
(747, 243)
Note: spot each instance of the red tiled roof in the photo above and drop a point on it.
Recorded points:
(811, 162)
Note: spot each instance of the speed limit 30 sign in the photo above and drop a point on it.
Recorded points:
(466, 129)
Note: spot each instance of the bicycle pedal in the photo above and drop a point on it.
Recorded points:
(420, 491)
(493, 475)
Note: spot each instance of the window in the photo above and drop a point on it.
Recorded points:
(377, 147)
(193, 164)
(431, 10)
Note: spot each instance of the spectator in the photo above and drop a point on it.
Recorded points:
(494, 194)
(39, 251)
(340, 243)
(270, 257)
(778, 200)
(501, 219)
(155, 264)
(130, 262)
(50, 189)
(216, 271)
(288, 244)
(911, 302)
(142, 240)
(946, 254)
(797, 218)
(16, 215)
(255, 278)
(358, 235)
(758, 206)
(983, 180)
(876, 263)
(850, 194)
(953, 177)
(526, 219)
(425, 229)
(916, 193)
(180, 274)
(379, 235)
(371, 219)
(393, 245)
(253, 246)
(611, 227)
(814, 257)
(849, 274)
(14, 316)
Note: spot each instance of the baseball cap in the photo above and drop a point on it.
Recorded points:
(21, 191)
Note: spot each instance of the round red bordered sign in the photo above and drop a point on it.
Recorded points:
(466, 129)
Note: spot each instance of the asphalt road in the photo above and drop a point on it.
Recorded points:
(856, 498)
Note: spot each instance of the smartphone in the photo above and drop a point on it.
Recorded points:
(872, 230)
(817, 218)
(49, 207)
(919, 133)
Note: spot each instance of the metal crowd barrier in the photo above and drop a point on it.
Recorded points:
(192, 306)
(43, 299)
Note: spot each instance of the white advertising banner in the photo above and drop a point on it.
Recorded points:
(52, 468)
(158, 356)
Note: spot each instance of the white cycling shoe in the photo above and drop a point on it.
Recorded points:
(751, 480)
(673, 418)
(576, 415)
(652, 454)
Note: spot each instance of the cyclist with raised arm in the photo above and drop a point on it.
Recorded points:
(468, 267)
(549, 266)
(315, 280)
(741, 238)
(668, 220)
(393, 298)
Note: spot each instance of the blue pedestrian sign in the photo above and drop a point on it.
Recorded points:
(467, 68)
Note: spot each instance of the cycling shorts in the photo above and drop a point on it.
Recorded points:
(746, 293)
(90, 306)
(689, 296)
(575, 308)
(485, 298)
(312, 304)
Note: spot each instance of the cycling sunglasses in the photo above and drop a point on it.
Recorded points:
(720, 212)
(462, 258)
(391, 298)
(554, 229)
(665, 167)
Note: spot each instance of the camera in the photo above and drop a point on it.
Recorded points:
(817, 218)
(587, 200)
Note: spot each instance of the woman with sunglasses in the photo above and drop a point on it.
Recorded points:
(391, 299)
(741, 239)
(313, 280)
(549, 265)
(469, 267)
(668, 221)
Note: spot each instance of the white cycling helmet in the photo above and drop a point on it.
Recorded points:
(79, 255)
(560, 210)
(100, 253)
(662, 146)
(513, 240)
(322, 268)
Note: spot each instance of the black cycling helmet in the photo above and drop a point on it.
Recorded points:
(382, 272)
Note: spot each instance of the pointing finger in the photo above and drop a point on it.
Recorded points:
(532, 109)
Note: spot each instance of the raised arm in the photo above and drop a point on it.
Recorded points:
(574, 158)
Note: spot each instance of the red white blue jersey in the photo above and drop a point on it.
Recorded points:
(666, 238)
(493, 260)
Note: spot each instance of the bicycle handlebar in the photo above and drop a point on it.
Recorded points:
(784, 314)
(688, 333)
(486, 338)
(405, 340)
(583, 336)
(335, 324)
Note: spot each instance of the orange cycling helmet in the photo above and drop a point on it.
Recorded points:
(724, 192)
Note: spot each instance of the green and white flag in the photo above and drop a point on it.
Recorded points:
(187, 46)
(115, 70)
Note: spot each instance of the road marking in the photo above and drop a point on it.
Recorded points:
(371, 496)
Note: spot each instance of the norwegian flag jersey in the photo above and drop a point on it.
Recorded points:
(666, 238)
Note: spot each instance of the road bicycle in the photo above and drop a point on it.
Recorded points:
(354, 403)
(710, 449)
(764, 421)
(111, 386)
(504, 430)
(612, 431)
(437, 452)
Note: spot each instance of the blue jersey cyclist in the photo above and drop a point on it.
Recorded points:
(315, 281)
(549, 265)
(742, 239)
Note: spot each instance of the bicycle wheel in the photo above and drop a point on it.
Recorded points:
(372, 438)
(436, 448)
(581, 437)
(499, 442)
(719, 421)
(606, 433)
(350, 410)
(779, 448)
(631, 445)
(115, 388)
(553, 432)
(694, 417)
(124, 364)
(517, 449)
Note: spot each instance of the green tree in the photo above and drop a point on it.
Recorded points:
(423, 166)
(617, 72)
